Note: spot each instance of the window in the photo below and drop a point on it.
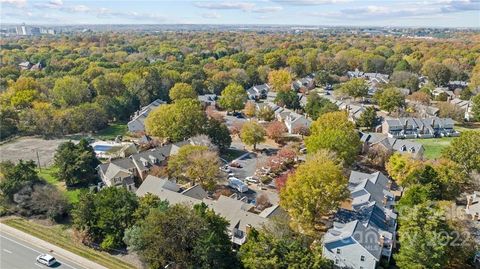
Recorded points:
(338, 251)
(336, 261)
(362, 258)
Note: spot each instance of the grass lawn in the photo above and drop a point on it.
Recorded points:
(433, 146)
(112, 131)
(49, 175)
(61, 236)
(231, 154)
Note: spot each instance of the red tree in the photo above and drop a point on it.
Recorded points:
(276, 130)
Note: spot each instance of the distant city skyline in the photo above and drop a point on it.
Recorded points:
(409, 13)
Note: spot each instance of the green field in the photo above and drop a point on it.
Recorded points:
(61, 236)
(433, 146)
(49, 175)
(112, 131)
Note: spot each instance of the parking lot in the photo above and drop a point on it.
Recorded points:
(249, 164)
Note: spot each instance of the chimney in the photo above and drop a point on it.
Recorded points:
(406, 124)
(469, 200)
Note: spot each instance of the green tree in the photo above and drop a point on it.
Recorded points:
(368, 118)
(196, 164)
(403, 79)
(233, 97)
(317, 106)
(437, 73)
(110, 84)
(14, 177)
(265, 250)
(76, 163)
(71, 91)
(464, 151)
(9, 120)
(415, 195)
(182, 236)
(297, 65)
(476, 107)
(252, 133)
(182, 91)
(288, 99)
(390, 99)
(314, 191)
(105, 215)
(183, 119)
(333, 131)
(356, 87)
(218, 133)
(424, 238)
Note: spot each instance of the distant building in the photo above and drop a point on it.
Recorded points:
(465, 106)
(419, 128)
(473, 205)
(137, 121)
(258, 92)
(304, 84)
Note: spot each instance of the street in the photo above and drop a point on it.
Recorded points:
(18, 254)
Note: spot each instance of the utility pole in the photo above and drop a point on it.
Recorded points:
(38, 160)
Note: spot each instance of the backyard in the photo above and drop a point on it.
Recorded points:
(49, 175)
(112, 131)
(433, 146)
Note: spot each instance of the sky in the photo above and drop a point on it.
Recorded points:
(408, 13)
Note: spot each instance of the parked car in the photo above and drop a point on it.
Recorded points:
(46, 259)
(235, 164)
(237, 184)
(251, 179)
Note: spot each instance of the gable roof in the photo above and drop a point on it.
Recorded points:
(354, 233)
(196, 192)
(165, 190)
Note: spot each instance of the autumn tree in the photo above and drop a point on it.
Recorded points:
(252, 133)
(333, 131)
(404, 79)
(250, 109)
(182, 91)
(276, 130)
(183, 119)
(288, 99)
(195, 164)
(476, 107)
(314, 191)
(317, 106)
(280, 80)
(233, 97)
(420, 97)
(356, 87)
(266, 113)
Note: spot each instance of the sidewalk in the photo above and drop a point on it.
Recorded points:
(54, 249)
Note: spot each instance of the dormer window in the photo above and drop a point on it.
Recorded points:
(412, 150)
(362, 258)
(153, 159)
(339, 251)
(403, 148)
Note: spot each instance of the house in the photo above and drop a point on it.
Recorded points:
(304, 84)
(207, 99)
(354, 111)
(238, 213)
(137, 121)
(352, 245)
(121, 172)
(439, 91)
(464, 105)
(146, 160)
(452, 85)
(364, 229)
(419, 127)
(473, 205)
(371, 77)
(403, 146)
(258, 92)
(36, 67)
(295, 122)
(425, 111)
(25, 65)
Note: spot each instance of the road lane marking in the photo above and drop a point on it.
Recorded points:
(8, 251)
(32, 249)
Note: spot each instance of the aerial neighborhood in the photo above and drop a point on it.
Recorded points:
(209, 147)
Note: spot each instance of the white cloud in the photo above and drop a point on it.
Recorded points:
(310, 2)
(226, 5)
(80, 8)
(16, 3)
(211, 15)
(267, 9)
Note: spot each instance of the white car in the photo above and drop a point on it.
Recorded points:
(251, 180)
(46, 259)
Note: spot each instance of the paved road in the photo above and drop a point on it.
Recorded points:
(18, 254)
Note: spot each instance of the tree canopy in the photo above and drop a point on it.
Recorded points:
(252, 133)
(233, 97)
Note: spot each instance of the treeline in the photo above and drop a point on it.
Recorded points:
(88, 80)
